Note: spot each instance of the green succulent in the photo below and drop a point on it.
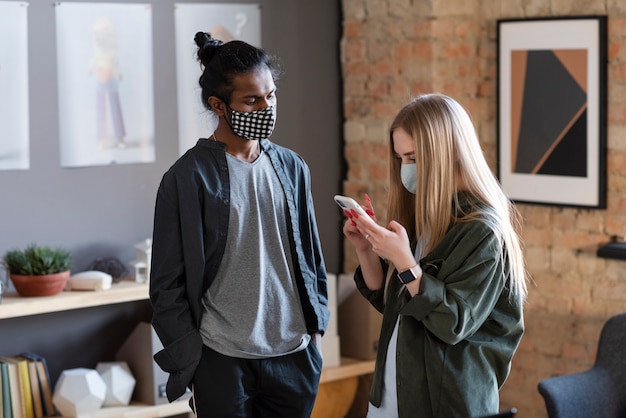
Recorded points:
(37, 260)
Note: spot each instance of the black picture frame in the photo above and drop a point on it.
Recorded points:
(552, 119)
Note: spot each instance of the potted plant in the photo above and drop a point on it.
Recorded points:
(38, 270)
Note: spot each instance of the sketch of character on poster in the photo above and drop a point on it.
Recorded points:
(106, 70)
(14, 129)
(225, 22)
(106, 97)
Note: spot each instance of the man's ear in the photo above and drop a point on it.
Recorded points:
(217, 105)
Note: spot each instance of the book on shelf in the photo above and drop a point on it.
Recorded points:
(17, 408)
(5, 396)
(43, 381)
(34, 386)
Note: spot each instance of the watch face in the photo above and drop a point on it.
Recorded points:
(406, 276)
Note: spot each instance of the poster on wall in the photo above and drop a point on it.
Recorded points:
(14, 130)
(105, 78)
(552, 75)
(225, 22)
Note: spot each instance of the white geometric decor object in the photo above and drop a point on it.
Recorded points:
(78, 392)
(142, 261)
(119, 380)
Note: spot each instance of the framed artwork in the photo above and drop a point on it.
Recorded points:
(14, 116)
(105, 83)
(552, 80)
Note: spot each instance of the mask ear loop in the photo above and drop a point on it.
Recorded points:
(228, 114)
(215, 107)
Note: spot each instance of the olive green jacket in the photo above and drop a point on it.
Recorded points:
(457, 336)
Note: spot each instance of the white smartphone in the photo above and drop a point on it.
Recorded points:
(347, 203)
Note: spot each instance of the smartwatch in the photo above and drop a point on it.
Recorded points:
(407, 276)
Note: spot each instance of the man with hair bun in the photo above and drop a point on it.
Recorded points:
(238, 282)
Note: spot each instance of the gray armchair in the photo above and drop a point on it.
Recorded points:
(599, 391)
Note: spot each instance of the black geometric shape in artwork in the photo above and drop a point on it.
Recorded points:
(552, 97)
(569, 158)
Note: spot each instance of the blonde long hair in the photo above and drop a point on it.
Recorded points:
(447, 151)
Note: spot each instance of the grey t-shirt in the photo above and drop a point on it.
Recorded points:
(252, 309)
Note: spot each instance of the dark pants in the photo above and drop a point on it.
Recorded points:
(285, 386)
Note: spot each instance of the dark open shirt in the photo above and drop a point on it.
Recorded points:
(189, 237)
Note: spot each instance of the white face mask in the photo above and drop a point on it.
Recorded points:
(408, 174)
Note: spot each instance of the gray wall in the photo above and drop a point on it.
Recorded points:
(103, 211)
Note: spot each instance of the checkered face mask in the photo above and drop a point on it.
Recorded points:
(253, 125)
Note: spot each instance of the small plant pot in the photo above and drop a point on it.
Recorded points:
(46, 285)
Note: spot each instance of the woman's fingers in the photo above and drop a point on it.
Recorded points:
(369, 207)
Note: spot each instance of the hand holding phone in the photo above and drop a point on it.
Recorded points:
(347, 203)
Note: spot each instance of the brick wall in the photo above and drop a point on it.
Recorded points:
(395, 49)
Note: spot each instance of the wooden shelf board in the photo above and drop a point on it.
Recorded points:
(139, 410)
(349, 367)
(14, 306)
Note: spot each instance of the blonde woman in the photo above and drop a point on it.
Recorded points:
(447, 271)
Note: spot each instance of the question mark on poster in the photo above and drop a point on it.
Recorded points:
(241, 20)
